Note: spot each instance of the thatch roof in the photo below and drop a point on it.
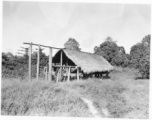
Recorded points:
(87, 61)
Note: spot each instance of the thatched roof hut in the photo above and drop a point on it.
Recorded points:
(86, 61)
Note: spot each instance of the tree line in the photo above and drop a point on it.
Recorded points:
(138, 58)
(17, 66)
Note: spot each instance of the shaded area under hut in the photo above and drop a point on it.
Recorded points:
(71, 64)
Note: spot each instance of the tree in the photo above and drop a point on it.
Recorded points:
(8, 64)
(17, 66)
(10, 55)
(122, 50)
(43, 62)
(140, 56)
(136, 53)
(144, 63)
(112, 52)
(96, 49)
(72, 44)
(120, 60)
(108, 49)
(144, 66)
(146, 41)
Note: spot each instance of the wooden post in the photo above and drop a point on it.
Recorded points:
(50, 64)
(77, 73)
(57, 77)
(107, 74)
(69, 74)
(30, 51)
(61, 65)
(38, 62)
(66, 61)
(46, 73)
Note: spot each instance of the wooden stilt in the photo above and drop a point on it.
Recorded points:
(46, 73)
(78, 73)
(66, 61)
(58, 74)
(38, 62)
(69, 74)
(50, 64)
(30, 52)
(61, 66)
(107, 74)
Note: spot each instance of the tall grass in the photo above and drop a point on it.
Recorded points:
(40, 98)
(122, 95)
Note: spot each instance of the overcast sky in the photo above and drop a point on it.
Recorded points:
(89, 23)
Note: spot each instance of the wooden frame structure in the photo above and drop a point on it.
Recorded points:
(69, 71)
(50, 59)
(50, 63)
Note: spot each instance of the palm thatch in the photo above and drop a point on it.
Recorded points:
(88, 62)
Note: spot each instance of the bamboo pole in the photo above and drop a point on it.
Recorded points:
(30, 51)
(38, 63)
(50, 64)
(69, 74)
(78, 73)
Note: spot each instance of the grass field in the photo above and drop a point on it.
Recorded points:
(121, 95)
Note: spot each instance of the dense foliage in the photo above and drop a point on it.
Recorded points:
(17, 66)
(72, 44)
(140, 56)
(113, 53)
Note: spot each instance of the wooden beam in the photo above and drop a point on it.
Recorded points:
(64, 66)
(69, 74)
(30, 51)
(38, 63)
(50, 64)
(20, 53)
(78, 73)
(43, 46)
